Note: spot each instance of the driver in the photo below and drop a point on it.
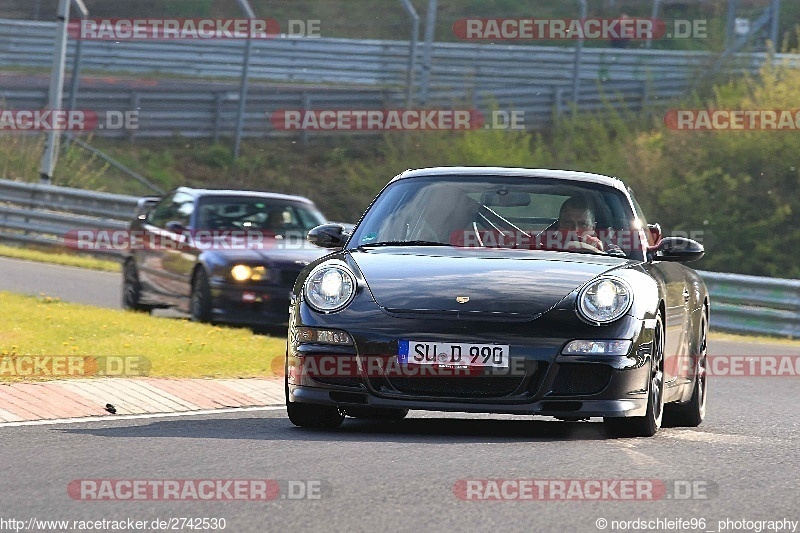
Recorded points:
(576, 215)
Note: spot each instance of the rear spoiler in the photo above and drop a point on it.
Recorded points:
(144, 205)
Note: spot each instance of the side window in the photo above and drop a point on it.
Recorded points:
(162, 212)
(177, 207)
(638, 209)
(642, 221)
(184, 207)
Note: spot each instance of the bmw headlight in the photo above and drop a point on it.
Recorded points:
(241, 272)
(245, 273)
(330, 287)
(604, 300)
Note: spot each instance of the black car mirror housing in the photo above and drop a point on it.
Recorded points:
(677, 249)
(175, 226)
(328, 236)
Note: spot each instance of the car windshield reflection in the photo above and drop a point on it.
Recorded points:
(498, 212)
(226, 213)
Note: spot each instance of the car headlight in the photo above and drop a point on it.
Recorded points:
(604, 300)
(330, 287)
(244, 273)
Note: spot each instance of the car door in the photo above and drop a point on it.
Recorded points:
(177, 257)
(162, 245)
(671, 278)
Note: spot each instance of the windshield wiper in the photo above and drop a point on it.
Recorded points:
(405, 243)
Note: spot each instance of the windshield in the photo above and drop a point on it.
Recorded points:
(501, 212)
(253, 213)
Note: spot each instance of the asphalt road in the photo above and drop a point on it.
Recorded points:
(400, 476)
(71, 284)
(742, 462)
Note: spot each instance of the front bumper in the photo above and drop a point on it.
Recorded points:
(544, 382)
(249, 304)
(572, 408)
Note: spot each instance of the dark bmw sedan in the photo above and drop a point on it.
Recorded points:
(220, 255)
(500, 290)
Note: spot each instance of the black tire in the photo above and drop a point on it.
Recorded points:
(200, 299)
(307, 415)
(132, 289)
(376, 413)
(692, 413)
(649, 424)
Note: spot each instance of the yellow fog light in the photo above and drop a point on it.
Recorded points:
(241, 272)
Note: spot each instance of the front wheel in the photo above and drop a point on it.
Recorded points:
(200, 300)
(692, 413)
(132, 288)
(308, 415)
(649, 424)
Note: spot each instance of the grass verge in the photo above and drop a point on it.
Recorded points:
(46, 326)
(734, 337)
(57, 258)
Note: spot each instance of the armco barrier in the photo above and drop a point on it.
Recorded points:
(753, 304)
(195, 112)
(42, 214)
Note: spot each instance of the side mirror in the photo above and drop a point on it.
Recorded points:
(145, 205)
(328, 236)
(175, 227)
(678, 249)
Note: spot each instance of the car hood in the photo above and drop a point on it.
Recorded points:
(503, 283)
(300, 256)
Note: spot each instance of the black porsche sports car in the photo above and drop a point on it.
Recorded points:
(220, 255)
(500, 290)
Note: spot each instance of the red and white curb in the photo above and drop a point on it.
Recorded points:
(81, 398)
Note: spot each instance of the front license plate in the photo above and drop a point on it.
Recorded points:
(450, 353)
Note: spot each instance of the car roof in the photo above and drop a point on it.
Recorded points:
(532, 173)
(253, 194)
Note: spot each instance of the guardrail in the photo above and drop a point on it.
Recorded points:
(536, 80)
(43, 214)
(355, 61)
(365, 62)
(753, 304)
(457, 70)
(199, 112)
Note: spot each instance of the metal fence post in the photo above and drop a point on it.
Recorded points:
(775, 12)
(217, 114)
(53, 138)
(76, 61)
(653, 16)
(430, 29)
(245, 5)
(730, 25)
(412, 52)
(306, 109)
(576, 73)
(136, 103)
